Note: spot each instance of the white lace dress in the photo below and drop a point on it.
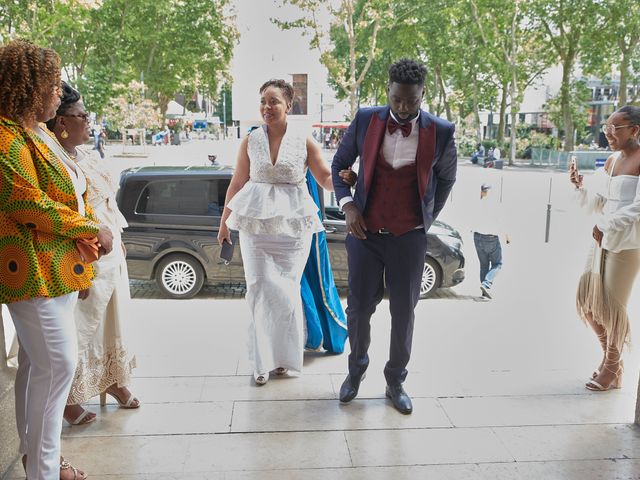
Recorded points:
(103, 357)
(276, 218)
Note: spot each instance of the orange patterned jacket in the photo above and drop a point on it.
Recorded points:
(39, 220)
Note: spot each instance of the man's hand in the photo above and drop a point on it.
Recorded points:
(355, 221)
(348, 176)
(105, 239)
(597, 235)
(84, 294)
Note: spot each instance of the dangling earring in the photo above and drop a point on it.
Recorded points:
(64, 134)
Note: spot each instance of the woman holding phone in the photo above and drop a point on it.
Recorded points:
(614, 258)
(269, 204)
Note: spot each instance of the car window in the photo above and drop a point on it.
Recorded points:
(184, 197)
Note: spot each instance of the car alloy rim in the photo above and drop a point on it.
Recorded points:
(179, 277)
(428, 279)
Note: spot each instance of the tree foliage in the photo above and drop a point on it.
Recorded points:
(172, 45)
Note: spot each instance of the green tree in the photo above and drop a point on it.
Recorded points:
(358, 22)
(513, 50)
(568, 29)
(129, 109)
(174, 45)
(618, 32)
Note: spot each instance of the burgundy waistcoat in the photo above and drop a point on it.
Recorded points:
(393, 201)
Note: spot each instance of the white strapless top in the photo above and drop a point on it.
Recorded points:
(618, 200)
(275, 200)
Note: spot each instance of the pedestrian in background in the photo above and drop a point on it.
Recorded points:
(488, 227)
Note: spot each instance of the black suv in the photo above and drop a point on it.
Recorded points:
(174, 214)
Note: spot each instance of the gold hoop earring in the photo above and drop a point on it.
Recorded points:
(64, 134)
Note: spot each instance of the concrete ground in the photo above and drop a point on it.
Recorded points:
(498, 386)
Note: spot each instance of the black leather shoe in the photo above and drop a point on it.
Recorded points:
(400, 399)
(349, 388)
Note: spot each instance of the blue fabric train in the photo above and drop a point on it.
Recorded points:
(326, 322)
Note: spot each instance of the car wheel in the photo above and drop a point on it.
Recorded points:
(431, 277)
(179, 276)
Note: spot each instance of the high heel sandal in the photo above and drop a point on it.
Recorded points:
(86, 416)
(260, 378)
(281, 371)
(130, 403)
(615, 383)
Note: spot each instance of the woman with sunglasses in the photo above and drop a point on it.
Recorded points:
(104, 363)
(614, 258)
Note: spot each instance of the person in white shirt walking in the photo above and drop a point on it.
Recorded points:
(486, 237)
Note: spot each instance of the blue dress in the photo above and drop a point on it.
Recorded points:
(326, 322)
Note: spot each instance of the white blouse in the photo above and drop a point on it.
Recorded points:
(617, 200)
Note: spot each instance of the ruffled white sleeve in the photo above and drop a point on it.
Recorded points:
(623, 217)
(593, 198)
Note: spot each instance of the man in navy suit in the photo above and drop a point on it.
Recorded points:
(407, 168)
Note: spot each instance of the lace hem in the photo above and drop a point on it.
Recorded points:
(290, 227)
(95, 374)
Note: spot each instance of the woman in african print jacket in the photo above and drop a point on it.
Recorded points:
(42, 214)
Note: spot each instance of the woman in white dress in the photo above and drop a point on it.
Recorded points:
(614, 259)
(269, 203)
(104, 363)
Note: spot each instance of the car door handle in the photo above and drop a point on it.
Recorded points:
(330, 229)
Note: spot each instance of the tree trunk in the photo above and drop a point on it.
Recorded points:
(624, 70)
(514, 115)
(476, 109)
(443, 94)
(163, 104)
(503, 111)
(565, 102)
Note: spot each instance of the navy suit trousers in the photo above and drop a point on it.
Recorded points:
(397, 261)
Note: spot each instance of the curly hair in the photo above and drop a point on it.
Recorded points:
(29, 75)
(407, 71)
(70, 96)
(285, 87)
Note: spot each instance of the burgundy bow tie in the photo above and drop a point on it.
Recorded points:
(405, 128)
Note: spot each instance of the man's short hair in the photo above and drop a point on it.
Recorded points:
(485, 186)
(407, 71)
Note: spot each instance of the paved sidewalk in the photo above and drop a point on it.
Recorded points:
(497, 386)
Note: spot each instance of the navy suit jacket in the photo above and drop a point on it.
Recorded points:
(436, 158)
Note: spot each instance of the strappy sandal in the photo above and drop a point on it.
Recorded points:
(77, 474)
(261, 378)
(615, 383)
(130, 403)
(86, 416)
(64, 465)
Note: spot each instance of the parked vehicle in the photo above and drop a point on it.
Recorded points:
(174, 215)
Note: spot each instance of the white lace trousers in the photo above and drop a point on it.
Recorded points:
(273, 266)
(46, 363)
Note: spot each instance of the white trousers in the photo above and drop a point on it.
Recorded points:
(46, 364)
(273, 267)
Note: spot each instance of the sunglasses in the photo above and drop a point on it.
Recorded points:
(613, 128)
(83, 116)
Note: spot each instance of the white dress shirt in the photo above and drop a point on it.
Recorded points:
(398, 151)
